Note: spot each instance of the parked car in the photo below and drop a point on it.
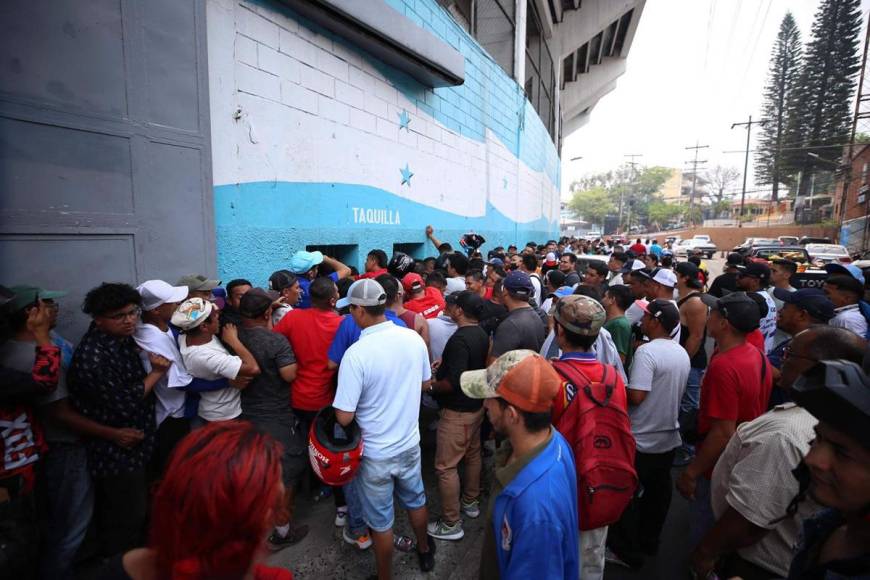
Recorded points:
(808, 275)
(809, 240)
(703, 237)
(788, 240)
(749, 243)
(685, 247)
(827, 253)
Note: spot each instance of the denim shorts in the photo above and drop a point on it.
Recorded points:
(376, 480)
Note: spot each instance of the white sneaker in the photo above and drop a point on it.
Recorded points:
(471, 508)
(340, 517)
(441, 530)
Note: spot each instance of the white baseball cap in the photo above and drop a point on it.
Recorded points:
(364, 292)
(665, 277)
(156, 293)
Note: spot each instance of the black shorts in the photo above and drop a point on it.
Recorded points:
(294, 461)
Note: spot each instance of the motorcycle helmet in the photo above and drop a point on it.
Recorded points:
(838, 393)
(400, 264)
(334, 451)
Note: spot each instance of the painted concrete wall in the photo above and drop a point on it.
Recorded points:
(315, 143)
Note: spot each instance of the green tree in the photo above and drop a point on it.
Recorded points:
(592, 205)
(780, 104)
(635, 189)
(661, 213)
(825, 90)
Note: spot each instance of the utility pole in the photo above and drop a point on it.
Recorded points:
(748, 125)
(695, 164)
(632, 156)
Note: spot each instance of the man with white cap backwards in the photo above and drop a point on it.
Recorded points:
(306, 265)
(532, 528)
(153, 335)
(380, 383)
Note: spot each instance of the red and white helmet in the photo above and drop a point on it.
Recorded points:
(335, 451)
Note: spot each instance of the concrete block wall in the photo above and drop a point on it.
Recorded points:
(313, 140)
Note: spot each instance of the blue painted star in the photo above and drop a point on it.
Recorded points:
(404, 120)
(406, 175)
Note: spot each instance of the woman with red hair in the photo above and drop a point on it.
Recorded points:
(213, 510)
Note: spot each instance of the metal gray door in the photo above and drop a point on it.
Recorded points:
(104, 145)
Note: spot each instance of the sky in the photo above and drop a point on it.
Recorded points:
(694, 68)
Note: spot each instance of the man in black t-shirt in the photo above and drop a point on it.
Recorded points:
(266, 403)
(522, 328)
(728, 279)
(458, 436)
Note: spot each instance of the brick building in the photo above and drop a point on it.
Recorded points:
(854, 229)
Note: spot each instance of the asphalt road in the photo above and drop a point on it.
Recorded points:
(323, 554)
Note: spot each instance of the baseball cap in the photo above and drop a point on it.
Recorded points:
(303, 261)
(256, 301)
(848, 269)
(191, 313)
(664, 311)
(687, 269)
(26, 295)
(563, 291)
(663, 276)
(523, 378)
(738, 308)
(550, 259)
(580, 314)
(755, 270)
(365, 292)
(412, 282)
(632, 266)
(496, 261)
(156, 293)
(813, 300)
(198, 283)
(518, 283)
(282, 279)
(734, 259)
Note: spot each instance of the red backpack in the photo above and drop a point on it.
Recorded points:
(596, 427)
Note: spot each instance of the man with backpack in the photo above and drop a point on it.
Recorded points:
(655, 388)
(591, 406)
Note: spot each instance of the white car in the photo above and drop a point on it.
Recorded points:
(827, 253)
(684, 247)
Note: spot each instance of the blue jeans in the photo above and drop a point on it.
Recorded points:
(69, 505)
(692, 396)
(376, 480)
(356, 524)
(701, 518)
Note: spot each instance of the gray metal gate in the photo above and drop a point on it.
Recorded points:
(104, 145)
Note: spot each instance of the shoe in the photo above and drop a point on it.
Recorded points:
(294, 536)
(623, 560)
(470, 508)
(362, 542)
(341, 517)
(427, 560)
(441, 530)
(404, 543)
(682, 458)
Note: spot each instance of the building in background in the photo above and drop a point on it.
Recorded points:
(855, 229)
(154, 139)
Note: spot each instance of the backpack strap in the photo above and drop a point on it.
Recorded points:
(606, 379)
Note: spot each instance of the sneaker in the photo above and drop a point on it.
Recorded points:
(427, 560)
(341, 517)
(470, 508)
(362, 542)
(443, 531)
(294, 536)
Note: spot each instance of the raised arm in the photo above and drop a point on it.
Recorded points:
(341, 270)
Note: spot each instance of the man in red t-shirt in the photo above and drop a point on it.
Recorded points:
(426, 300)
(735, 389)
(376, 264)
(310, 331)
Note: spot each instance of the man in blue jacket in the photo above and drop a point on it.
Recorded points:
(532, 527)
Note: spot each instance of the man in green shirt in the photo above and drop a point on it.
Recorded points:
(616, 301)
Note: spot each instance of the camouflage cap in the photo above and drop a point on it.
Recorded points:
(523, 378)
(580, 314)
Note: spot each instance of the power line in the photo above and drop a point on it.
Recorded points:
(695, 164)
(748, 125)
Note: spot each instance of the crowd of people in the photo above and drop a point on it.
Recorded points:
(172, 439)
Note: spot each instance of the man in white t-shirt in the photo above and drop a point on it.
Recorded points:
(659, 371)
(380, 382)
(659, 283)
(206, 357)
(159, 301)
(457, 267)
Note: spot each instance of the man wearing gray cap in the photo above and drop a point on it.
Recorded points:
(380, 382)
